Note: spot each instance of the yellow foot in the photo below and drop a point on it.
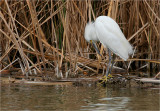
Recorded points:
(109, 76)
(104, 79)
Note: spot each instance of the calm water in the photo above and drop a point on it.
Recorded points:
(69, 97)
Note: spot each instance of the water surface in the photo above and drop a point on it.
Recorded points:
(85, 98)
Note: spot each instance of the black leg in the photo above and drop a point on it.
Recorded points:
(110, 58)
(113, 58)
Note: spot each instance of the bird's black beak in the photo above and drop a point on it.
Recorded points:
(95, 46)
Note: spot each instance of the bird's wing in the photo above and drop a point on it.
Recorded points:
(111, 36)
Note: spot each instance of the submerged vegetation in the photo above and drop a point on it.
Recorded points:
(47, 37)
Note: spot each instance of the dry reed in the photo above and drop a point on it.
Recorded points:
(50, 34)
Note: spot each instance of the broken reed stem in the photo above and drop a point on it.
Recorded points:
(9, 65)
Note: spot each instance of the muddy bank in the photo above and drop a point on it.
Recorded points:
(115, 81)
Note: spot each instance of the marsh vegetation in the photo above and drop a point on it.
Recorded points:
(46, 38)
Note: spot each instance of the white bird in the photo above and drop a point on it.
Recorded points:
(108, 32)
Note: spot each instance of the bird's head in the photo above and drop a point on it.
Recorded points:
(88, 31)
(90, 35)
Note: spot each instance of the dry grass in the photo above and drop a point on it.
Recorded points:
(50, 34)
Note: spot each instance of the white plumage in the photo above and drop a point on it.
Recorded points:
(108, 32)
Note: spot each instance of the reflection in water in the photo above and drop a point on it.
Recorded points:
(114, 103)
(68, 97)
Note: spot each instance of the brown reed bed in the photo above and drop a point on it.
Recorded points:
(49, 35)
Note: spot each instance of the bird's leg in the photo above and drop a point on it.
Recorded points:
(104, 78)
(110, 58)
(113, 58)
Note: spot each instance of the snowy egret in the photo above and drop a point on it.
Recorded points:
(108, 32)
